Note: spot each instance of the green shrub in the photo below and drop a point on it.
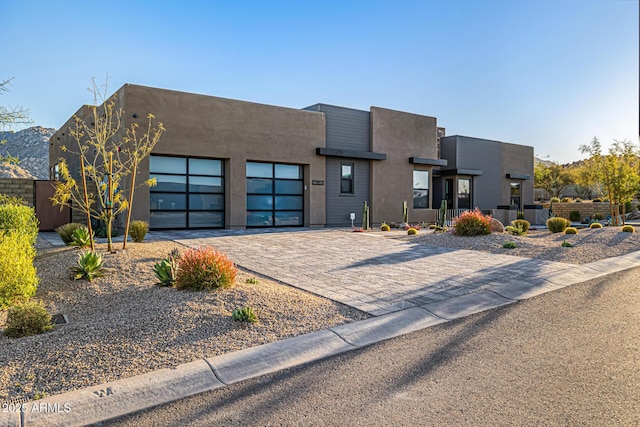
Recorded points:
(598, 200)
(628, 207)
(557, 224)
(204, 269)
(472, 223)
(88, 266)
(515, 230)
(66, 232)
(167, 269)
(509, 245)
(598, 216)
(566, 244)
(628, 229)
(28, 318)
(252, 280)
(19, 219)
(578, 200)
(18, 278)
(411, 231)
(574, 216)
(137, 230)
(570, 230)
(81, 237)
(555, 200)
(245, 315)
(385, 227)
(523, 223)
(595, 225)
(566, 200)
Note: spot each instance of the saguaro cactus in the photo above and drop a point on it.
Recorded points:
(442, 215)
(365, 216)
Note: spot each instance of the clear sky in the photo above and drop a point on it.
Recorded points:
(547, 73)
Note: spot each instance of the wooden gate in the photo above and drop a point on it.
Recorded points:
(49, 216)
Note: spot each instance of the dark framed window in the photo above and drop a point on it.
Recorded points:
(515, 199)
(275, 195)
(189, 192)
(346, 178)
(420, 189)
(464, 193)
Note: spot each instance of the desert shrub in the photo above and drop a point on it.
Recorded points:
(598, 216)
(88, 266)
(578, 200)
(66, 231)
(18, 279)
(252, 280)
(472, 223)
(570, 230)
(558, 224)
(566, 244)
(509, 245)
(411, 231)
(628, 229)
(574, 216)
(246, 314)
(566, 200)
(595, 225)
(385, 227)
(523, 223)
(81, 237)
(555, 200)
(28, 318)
(598, 200)
(515, 230)
(205, 268)
(17, 218)
(137, 230)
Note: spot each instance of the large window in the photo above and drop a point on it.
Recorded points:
(420, 189)
(346, 178)
(464, 193)
(189, 192)
(515, 194)
(275, 195)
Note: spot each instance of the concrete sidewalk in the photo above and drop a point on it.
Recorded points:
(406, 286)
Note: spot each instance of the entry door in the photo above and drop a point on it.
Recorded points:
(275, 195)
(49, 216)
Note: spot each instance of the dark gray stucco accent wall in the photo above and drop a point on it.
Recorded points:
(340, 205)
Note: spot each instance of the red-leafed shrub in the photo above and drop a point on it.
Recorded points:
(204, 269)
(472, 223)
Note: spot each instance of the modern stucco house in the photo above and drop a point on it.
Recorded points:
(235, 164)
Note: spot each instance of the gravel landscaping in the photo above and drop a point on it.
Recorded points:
(122, 325)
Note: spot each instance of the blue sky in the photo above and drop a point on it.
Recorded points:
(547, 73)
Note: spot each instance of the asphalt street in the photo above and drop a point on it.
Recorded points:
(569, 357)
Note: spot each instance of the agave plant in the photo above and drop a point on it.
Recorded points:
(245, 315)
(166, 269)
(89, 266)
(80, 237)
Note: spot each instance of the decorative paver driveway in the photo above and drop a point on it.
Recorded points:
(374, 273)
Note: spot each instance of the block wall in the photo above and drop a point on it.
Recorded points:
(18, 187)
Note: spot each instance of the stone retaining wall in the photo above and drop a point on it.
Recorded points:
(585, 209)
(18, 187)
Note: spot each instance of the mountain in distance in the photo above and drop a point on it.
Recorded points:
(31, 147)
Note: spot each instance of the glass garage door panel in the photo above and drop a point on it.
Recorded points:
(206, 219)
(168, 220)
(275, 195)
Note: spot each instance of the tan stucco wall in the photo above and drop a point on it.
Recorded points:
(236, 131)
(399, 135)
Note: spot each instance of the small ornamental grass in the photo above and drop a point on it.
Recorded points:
(595, 225)
(628, 229)
(570, 230)
(558, 224)
(137, 230)
(205, 268)
(472, 223)
(509, 245)
(246, 314)
(566, 244)
(28, 318)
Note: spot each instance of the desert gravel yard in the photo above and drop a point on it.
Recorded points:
(122, 325)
